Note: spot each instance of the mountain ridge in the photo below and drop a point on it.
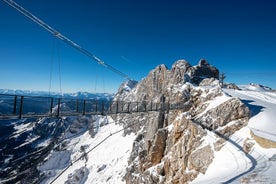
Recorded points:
(79, 94)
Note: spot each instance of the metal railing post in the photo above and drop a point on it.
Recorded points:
(128, 107)
(103, 107)
(21, 107)
(117, 106)
(14, 104)
(145, 105)
(84, 106)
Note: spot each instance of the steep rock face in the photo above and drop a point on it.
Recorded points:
(231, 110)
(185, 137)
(157, 147)
(178, 71)
(170, 146)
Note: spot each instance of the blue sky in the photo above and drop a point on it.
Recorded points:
(134, 36)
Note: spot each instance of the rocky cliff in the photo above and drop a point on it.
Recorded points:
(173, 146)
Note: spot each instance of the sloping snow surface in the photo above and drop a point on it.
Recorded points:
(103, 158)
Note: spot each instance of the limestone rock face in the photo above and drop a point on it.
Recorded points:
(178, 71)
(209, 82)
(201, 158)
(231, 110)
(170, 146)
(185, 137)
(232, 86)
(248, 145)
(157, 147)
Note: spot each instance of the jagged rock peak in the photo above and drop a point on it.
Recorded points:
(182, 72)
(181, 64)
(203, 62)
(161, 67)
(179, 68)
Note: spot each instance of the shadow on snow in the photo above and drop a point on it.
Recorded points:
(254, 109)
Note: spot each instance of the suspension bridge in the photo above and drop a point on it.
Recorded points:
(17, 107)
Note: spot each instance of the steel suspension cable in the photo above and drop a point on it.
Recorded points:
(51, 68)
(63, 38)
(59, 71)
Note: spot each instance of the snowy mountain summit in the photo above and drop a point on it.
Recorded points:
(218, 135)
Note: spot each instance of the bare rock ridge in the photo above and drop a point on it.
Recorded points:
(171, 146)
(161, 78)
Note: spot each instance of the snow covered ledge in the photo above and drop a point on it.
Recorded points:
(263, 142)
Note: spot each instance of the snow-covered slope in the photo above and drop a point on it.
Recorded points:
(232, 164)
(90, 149)
(87, 159)
(262, 104)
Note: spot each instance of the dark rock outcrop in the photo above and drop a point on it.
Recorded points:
(202, 71)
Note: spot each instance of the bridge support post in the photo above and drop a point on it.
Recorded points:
(77, 106)
(117, 106)
(21, 107)
(128, 107)
(168, 107)
(14, 104)
(96, 106)
(103, 107)
(145, 106)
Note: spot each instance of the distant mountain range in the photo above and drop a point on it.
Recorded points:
(79, 95)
